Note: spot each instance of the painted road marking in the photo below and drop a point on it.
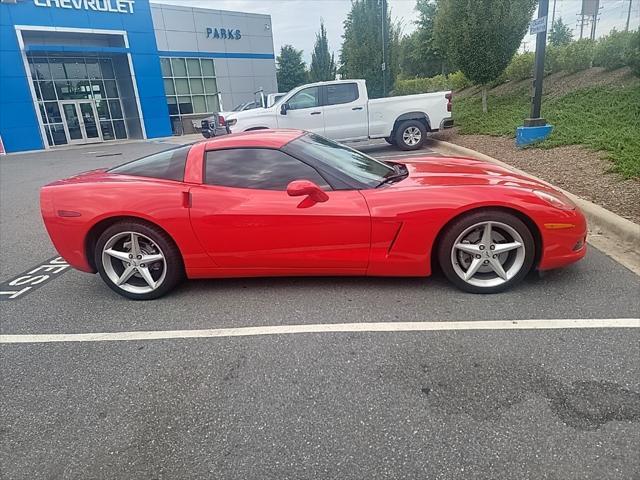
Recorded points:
(32, 279)
(327, 328)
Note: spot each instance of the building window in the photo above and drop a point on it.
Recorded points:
(57, 78)
(191, 88)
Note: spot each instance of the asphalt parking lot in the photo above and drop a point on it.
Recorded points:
(493, 403)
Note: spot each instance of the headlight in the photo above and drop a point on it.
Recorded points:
(555, 199)
(231, 122)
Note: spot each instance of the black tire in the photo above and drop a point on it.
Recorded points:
(390, 140)
(456, 228)
(410, 125)
(174, 272)
(206, 134)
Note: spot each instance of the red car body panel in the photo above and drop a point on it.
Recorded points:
(265, 230)
(230, 232)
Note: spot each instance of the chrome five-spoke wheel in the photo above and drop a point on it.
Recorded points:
(134, 262)
(486, 252)
(138, 260)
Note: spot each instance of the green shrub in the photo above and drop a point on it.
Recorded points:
(458, 81)
(553, 59)
(577, 56)
(502, 78)
(610, 50)
(439, 83)
(420, 85)
(520, 67)
(632, 53)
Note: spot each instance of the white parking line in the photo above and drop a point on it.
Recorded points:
(328, 328)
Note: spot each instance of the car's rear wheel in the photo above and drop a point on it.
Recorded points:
(486, 252)
(410, 135)
(138, 260)
(390, 140)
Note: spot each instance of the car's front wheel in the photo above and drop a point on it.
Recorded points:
(138, 260)
(486, 252)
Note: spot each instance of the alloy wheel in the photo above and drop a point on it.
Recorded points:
(488, 254)
(412, 136)
(134, 262)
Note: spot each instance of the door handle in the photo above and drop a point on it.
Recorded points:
(316, 113)
(356, 108)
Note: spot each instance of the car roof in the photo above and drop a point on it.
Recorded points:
(265, 138)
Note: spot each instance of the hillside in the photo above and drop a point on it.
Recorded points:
(594, 150)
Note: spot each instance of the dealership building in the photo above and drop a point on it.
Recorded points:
(85, 71)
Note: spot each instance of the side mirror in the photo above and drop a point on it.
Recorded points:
(283, 108)
(306, 188)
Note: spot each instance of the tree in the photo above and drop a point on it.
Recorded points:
(323, 65)
(361, 54)
(419, 55)
(291, 69)
(560, 33)
(481, 36)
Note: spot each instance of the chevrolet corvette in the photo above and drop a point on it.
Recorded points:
(288, 202)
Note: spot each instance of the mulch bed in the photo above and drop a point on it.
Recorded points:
(580, 171)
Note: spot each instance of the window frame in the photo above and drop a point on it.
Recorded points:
(212, 100)
(320, 98)
(326, 93)
(50, 85)
(204, 169)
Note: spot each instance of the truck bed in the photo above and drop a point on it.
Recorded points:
(383, 109)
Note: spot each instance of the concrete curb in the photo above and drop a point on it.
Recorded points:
(615, 227)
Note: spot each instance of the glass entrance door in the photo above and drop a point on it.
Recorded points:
(80, 121)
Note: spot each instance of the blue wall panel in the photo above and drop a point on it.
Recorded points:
(19, 127)
(21, 131)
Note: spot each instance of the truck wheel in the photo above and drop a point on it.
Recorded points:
(390, 140)
(410, 135)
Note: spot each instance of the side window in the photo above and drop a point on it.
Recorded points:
(342, 93)
(257, 168)
(168, 165)
(307, 98)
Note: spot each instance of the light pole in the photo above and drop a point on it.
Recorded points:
(383, 67)
(535, 127)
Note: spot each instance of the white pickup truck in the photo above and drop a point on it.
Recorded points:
(341, 110)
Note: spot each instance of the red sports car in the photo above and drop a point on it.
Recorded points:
(287, 202)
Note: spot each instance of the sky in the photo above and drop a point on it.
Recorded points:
(296, 22)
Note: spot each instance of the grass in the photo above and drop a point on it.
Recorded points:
(599, 118)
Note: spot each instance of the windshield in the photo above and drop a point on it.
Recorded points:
(354, 164)
(239, 107)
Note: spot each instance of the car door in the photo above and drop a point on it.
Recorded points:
(304, 111)
(345, 112)
(247, 222)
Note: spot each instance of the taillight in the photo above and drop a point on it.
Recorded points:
(448, 96)
(221, 120)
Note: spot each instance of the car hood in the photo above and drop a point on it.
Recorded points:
(449, 171)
